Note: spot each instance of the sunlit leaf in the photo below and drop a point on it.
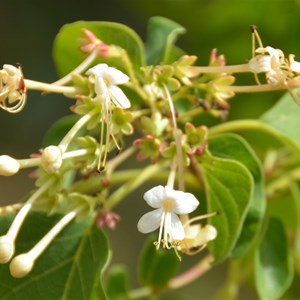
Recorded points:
(67, 54)
(228, 187)
(234, 147)
(284, 117)
(162, 35)
(273, 263)
(69, 268)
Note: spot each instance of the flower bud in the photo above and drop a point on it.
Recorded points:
(260, 64)
(51, 159)
(8, 165)
(7, 249)
(21, 265)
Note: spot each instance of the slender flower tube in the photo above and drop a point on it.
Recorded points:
(168, 204)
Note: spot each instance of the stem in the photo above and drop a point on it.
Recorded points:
(73, 131)
(257, 88)
(20, 217)
(79, 69)
(134, 183)
(47, 87)
(38, 249)
(29, 162)
(246, 124)
(192, 274)
(113, 163)
(92, 184)
(283, 182)
(244, 68)
(191, 113)
(139, 293)
(76, 153)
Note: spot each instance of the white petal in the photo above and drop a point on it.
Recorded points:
(117, 77)
(150, 221)
(260, 63)
(118, 97)
(184, 203)
(155, 196)
(177, 231)
(99, 70)
(100, 87)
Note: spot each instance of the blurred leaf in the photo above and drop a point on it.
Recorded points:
(68, 269)
(162, 35)
(157, 267)
(296, 197)
(234, 147)
(228, 187)
(273, 263)
(117, 284)
(284, 117)
(67, 54)
(58, 130)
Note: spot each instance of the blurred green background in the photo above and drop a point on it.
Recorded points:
(28, 29)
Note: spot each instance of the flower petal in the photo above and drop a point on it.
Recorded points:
(155, 196)
(150, 221)
(177, 231)
(116, 77)
(99, 70)
(184, 203)
(118, 97)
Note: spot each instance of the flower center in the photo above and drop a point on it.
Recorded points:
(168, 205)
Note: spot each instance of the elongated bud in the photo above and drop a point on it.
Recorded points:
(7, 249)
(21, 265)
(51, 159)
(8, 165)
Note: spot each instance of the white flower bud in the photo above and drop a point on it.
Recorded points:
(7, 249)
(21, 265)
(8, 165)
(260, 64)
(51, 159)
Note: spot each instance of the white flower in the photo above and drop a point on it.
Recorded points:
(196, 237)
(272, 62)
(8, 165)
(168, 203)
(12, 89)
(294, 65)
(106, 81)
(51, 159)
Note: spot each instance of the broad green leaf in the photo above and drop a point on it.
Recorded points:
(58, 130)
(284, 117)
(67, 54)
(162, 35)
(273, 263)
(157, 267)
(68, 269)
(234, 147)
(117, 284)
(228, 187)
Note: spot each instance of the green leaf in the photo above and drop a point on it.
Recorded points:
(273, 263)
(162, 35)
(228, 187)
(234, 147)
(157, 267)
(68, 269)
(117, 284)
(67, 54)
(58, 130)
(284, 117)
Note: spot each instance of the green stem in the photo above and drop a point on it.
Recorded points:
(283, 182)
(140, 293)
(73, 131)
(134, 183)
(92, 184)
